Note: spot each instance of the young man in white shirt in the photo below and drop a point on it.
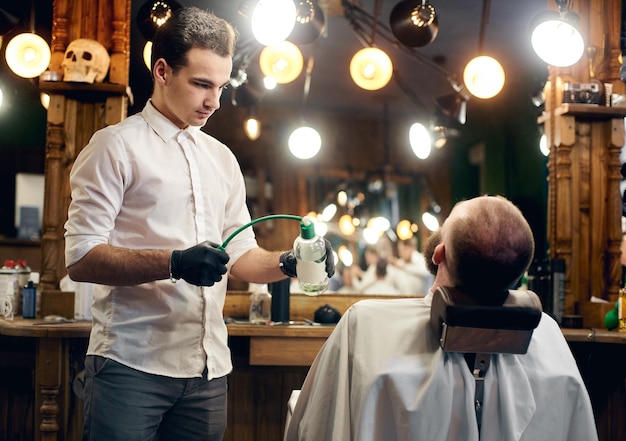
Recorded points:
(151, 198)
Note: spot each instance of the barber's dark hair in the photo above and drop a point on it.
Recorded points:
(188, 28)
(488, 249)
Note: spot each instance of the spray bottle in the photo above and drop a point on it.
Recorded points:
(310, 251)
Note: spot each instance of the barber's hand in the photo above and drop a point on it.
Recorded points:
(201, 265)
(288, 261)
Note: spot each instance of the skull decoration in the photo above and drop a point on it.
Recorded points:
(85, 61)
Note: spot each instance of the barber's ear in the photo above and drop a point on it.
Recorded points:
(159, 70)
(439, 254)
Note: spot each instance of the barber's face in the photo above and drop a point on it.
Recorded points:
(193, 93)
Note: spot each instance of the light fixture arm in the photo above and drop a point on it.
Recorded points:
(358, 18)
(483, 25)
(32, 16)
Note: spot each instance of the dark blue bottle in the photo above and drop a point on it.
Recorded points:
(29, 305)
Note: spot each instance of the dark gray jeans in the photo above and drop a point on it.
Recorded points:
(123, 404)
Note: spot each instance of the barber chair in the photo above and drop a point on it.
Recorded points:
(478, 331)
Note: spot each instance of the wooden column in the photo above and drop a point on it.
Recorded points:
(584, 213)
(77, 111)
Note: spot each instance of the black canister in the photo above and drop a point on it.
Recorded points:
(29, 300)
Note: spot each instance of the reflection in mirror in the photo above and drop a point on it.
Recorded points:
(374, 222)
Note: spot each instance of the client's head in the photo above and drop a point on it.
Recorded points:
(488, 245)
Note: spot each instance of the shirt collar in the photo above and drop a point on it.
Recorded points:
(165, 128)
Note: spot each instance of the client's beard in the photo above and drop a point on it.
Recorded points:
(429, 249)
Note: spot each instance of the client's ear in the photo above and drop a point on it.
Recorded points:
(439, 254)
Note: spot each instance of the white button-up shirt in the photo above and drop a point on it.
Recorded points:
(146, 184)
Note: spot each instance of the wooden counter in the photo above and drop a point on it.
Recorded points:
(269, 362)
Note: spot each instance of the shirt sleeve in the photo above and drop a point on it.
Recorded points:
(97, 188)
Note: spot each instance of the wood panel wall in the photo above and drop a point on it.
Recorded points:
(72, 119)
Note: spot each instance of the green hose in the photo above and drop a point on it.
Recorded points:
(223, 246)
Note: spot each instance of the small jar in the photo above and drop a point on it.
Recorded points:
(260, 306)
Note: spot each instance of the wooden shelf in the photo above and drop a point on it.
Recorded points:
(84, 91)
(586, 111)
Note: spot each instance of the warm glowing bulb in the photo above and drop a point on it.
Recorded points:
(147, 55)
(484, 77)
(342, 198)
(346, 226)
(252, 127)
(557, 43)
(403, 230)
(273, 20)
(543, 145)
(420, 141)
(28, 55)
(329, 212)
(430, 221)
(283, 62)
(371, 68)
(44, 98)
(345, 255)
(305, 142)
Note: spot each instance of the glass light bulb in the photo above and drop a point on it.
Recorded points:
(557, 43)
(371, 68)
(283, 62)
(346, 226)
(305, 142)
(420, 141)
(403, 230)
(28, 55)
(273, 20)
(484, 77)
(430, 221)
(252, 128)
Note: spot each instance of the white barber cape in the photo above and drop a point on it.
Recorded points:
(382, 376)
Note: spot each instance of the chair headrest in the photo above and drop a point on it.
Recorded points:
(464, 325)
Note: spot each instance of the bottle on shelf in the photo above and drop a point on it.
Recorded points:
(8, 289)
(260, 305)
(310, 251)
(29, 300)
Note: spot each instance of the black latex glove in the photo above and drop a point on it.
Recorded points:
(288, 261)
(201, 265)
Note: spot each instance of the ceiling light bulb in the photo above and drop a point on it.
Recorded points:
(371, 68)
(273, 20)
(345, 256)
(543, 145)
(28, 55)
(305, 142)
(329, 212)
(147, 55)
(346, 226)
(252, 127)
(379, 223)
(44, 98)
(484, 77)
(420, 141)
(403, 230)
(342, 198)
(283, 62)
(556, 41)
(430, 221)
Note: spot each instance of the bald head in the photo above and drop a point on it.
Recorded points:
(488, 245)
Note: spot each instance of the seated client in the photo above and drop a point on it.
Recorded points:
(382, 375)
